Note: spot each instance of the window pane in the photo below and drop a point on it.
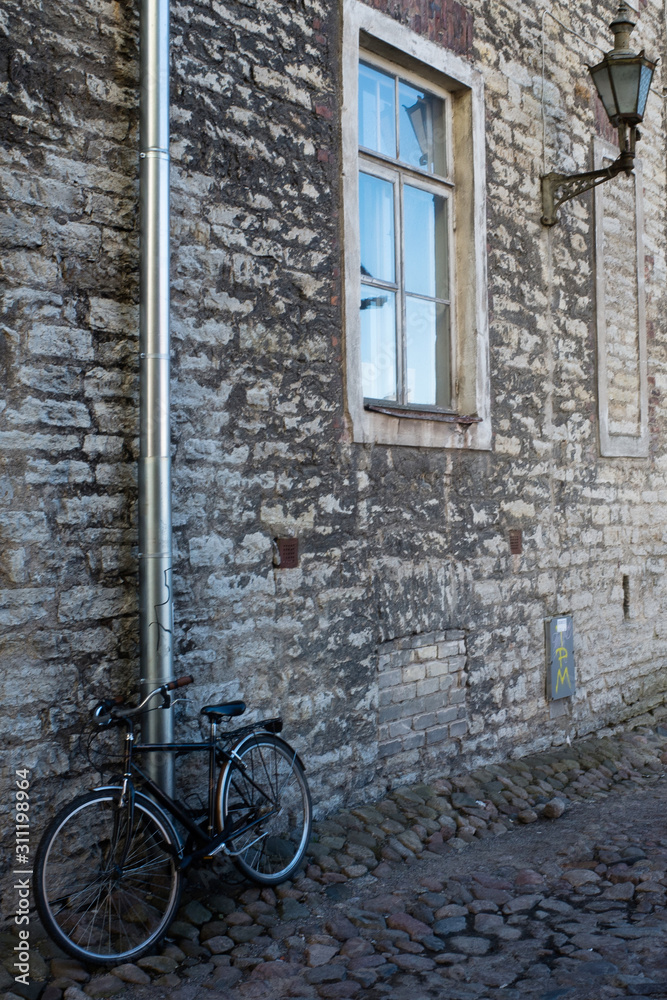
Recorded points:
(376, 227)
(427, 349)
(377, 116)
(422, 129)
(425, 241)
(378, 343)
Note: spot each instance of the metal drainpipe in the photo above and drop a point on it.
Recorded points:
(155, 581)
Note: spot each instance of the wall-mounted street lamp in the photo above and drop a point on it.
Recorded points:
(622, 80)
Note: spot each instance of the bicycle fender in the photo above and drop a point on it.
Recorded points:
(141, 798)
(285, 744)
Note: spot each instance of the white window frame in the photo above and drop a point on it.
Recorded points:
(444, 73)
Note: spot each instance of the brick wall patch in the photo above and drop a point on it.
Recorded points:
(421, 681)
(447, 23)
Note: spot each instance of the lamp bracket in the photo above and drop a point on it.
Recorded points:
(572, 185)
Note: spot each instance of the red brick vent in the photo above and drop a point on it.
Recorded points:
(288, 552)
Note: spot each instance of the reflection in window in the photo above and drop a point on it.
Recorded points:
(425, 241)
(421, 127)
(427, 350)
(376, 223)
(421, 130)
(377, 114)
(378, 343)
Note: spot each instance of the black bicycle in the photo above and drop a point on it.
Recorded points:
(109, 867)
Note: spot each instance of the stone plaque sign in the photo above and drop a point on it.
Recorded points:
(560, 657)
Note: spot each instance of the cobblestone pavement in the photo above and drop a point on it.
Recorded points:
(539, 878)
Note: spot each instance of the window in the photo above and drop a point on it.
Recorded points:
(415, 244)
(404, 236)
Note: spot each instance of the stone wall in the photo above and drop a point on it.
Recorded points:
(396, 543)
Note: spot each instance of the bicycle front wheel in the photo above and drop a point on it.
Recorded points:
(105, 891)
(264, 788)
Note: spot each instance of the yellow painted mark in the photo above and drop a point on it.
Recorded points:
(563, 672)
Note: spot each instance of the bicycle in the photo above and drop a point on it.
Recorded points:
(109, 867)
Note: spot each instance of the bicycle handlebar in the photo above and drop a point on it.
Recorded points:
(109, 708)
(180, 682)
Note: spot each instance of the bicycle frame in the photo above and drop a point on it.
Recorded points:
(211, 844)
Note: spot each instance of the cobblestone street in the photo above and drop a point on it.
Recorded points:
(541, 878)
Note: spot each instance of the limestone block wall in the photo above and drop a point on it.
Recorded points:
(396, 544)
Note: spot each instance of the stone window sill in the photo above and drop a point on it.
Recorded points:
(411, 413)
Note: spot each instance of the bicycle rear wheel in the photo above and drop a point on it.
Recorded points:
(265, 785)
(106, 893)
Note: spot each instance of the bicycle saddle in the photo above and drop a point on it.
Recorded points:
(228, 708)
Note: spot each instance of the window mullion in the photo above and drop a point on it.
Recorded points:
(371, 156)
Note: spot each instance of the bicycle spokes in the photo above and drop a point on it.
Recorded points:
(109, 886)
(267, 806)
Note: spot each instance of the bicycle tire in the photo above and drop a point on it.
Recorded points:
(270, 852)
(93, 910)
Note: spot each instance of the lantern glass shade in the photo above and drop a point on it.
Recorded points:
(623, 85)
(644, 87)
(602, 83)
